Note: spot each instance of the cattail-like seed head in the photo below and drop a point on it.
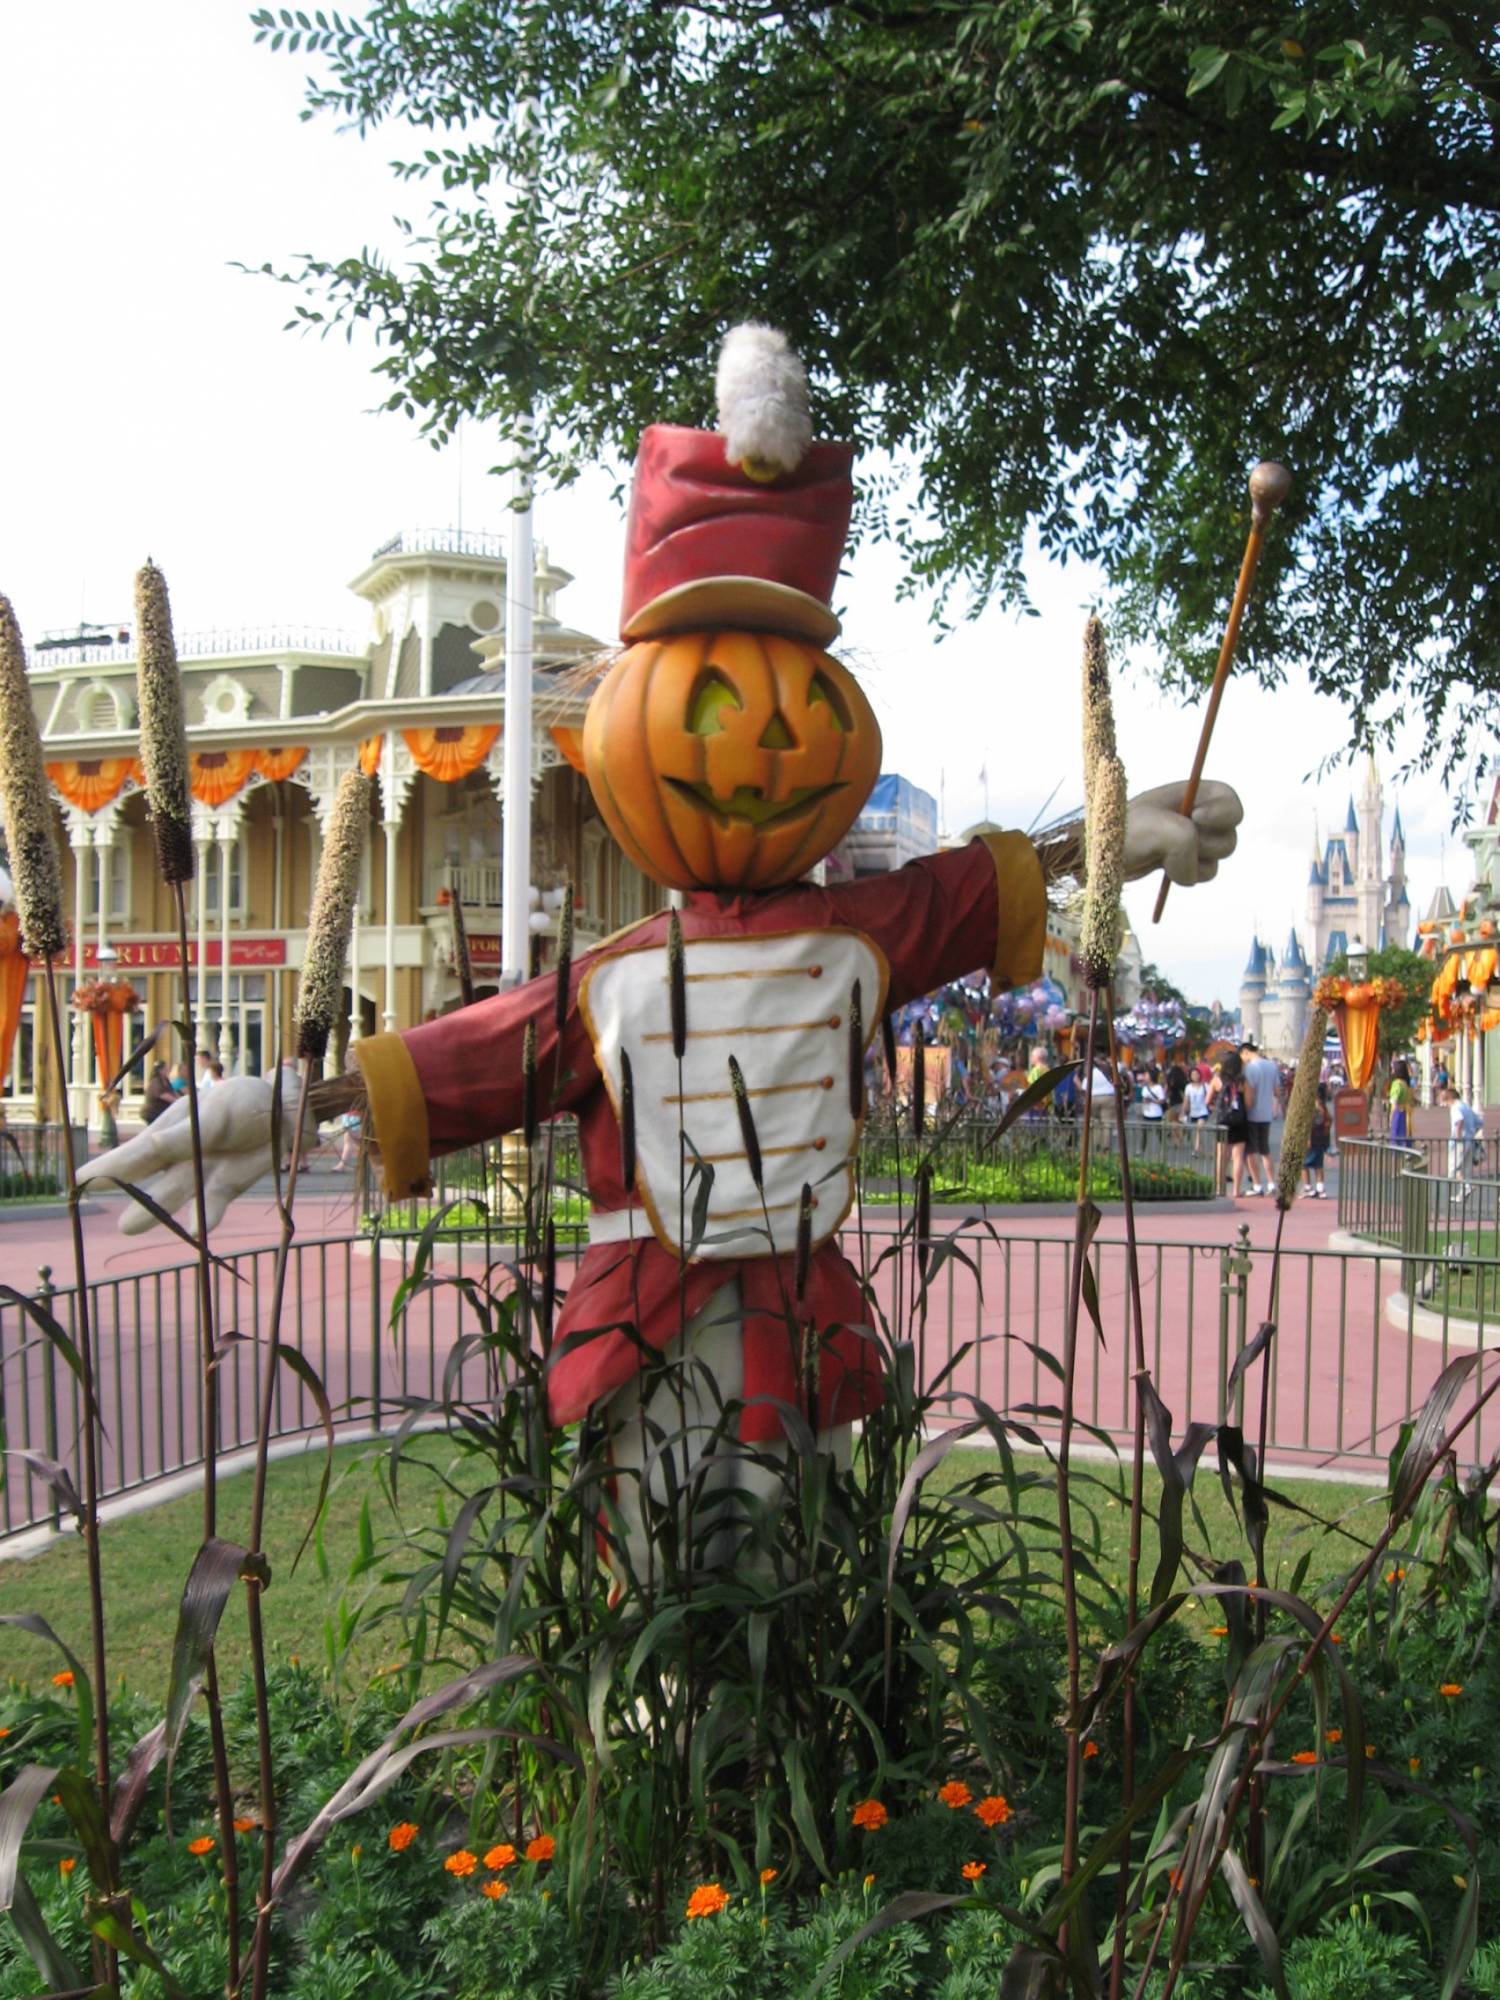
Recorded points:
(918, 1079)
(856, 1053)
(802, 1261)
(332, 915)
(534, 955)
(528, 1084)
(924, 1216)
(463, 964)
(26, 804)
(564, 959)
(627, 1124)
(1300, 1107)
(888, 1047)
(1104, 833)
(164, 751)
(677, 985)
(1098, 707)
(747, 1123)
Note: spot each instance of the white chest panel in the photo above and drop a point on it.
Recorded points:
(780, 1006)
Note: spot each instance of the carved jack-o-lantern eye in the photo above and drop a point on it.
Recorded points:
(711, 697)
(822, 693)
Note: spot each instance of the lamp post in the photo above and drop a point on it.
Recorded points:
(1359, 960)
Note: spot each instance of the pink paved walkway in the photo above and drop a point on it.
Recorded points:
(1344, 1379)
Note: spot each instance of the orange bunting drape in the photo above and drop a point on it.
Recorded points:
(106, 1002)
(1359, 1031)
(570, 742)
(91, 783)
(276, 765)
(14, 966)
(216, 775)
(450, 754)
(370, 751)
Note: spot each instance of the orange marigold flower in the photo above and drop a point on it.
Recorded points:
(768, 1876)
(244, 1826)
(355, 1851)
(1414, 1764)
(493, 1889)
(994, 1810)
(66, 1865)
(64, 1679)
(973, 1870)
(1396, 1575)
(501, 1856)
(401, 1836)
(955, 1795)
(204, 1844)
(543, 1848)
(706, 1901)
(4, 1732)
(1333, 1735)
(1451, 1689)
(461, 1862)
(1304, 1756)
(871, 1815)
(1090, 1749)
(1369, 1749)
(869, 1883)
(1335, 1638)
(1218, 1631)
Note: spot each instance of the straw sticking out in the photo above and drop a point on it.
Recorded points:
(1104, 836)
(564, 959)
(26, 803)
(747, 1123)
(332, 917)
(463, 964)
(856, 1053)
(677, 985)
(1299, 1111)
(627, 1123)
(164, 753)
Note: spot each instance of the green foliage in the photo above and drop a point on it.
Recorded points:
(519, 1948)
(1354, 1959)
(1077, 267)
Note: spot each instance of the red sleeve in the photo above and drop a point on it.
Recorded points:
(973, 907)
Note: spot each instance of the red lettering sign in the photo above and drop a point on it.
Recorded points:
(160, 954)
(483, 950)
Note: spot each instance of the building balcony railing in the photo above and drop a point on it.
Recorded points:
(445, 542)
(475, 883)
(227, 641)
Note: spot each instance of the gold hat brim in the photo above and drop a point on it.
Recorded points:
(735, 603)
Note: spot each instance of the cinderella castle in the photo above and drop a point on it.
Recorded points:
(1351, 897)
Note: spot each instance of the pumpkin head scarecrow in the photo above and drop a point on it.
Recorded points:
(728, 752)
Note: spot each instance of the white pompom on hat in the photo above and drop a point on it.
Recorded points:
(762, 395)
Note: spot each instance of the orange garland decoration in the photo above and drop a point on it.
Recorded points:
(91, 783)
(369, 754)
(14, 967)
(451, 753)
(107, 1002)
(216, 775)
(275, 766)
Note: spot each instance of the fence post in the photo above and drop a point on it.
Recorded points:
(1235, 1264)
(44, 1296)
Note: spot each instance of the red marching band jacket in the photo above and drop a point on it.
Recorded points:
(457, 1081)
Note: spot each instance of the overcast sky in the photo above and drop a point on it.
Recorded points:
(154, 405)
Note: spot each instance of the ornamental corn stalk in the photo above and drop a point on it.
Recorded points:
(332, 915)
(164, 752)
(1299, 1111)
(1104, 840)
(26, 803)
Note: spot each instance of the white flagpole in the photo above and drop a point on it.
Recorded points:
(515, 812)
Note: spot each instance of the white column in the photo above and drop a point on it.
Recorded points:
(203, 859)
(390, 827)
(226, 864)
(79, 836)
(515, 809)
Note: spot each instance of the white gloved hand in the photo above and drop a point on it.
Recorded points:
(235, 1123)
(1189, 847)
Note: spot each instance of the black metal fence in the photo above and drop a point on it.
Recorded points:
(1438, 1201)
(33, 1159)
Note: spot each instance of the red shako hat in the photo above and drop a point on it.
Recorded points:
(743, 527)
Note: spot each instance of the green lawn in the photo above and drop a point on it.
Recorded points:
(147, 1556)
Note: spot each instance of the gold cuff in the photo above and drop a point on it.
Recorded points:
(1021, 929)
(398, 1113)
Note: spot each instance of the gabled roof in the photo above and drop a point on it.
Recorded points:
(1337, 946)
(1442, 907)
(1337, 847)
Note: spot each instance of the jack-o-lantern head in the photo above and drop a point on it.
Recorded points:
(731, 760)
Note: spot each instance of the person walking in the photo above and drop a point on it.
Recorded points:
(1401, 1097)
(158, 1093)
(1317, 1146)
(1195, 1099)
(1234, 1121)
(1262, 1082)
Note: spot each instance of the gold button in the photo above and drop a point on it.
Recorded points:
(815, 972)
(819, 1144)
(827, 1083)
(835, 1020)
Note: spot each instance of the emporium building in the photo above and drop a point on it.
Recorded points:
(274, 719)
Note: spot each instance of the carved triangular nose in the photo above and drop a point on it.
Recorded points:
(776, 735)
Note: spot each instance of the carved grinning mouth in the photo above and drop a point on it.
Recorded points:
(748, 803)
